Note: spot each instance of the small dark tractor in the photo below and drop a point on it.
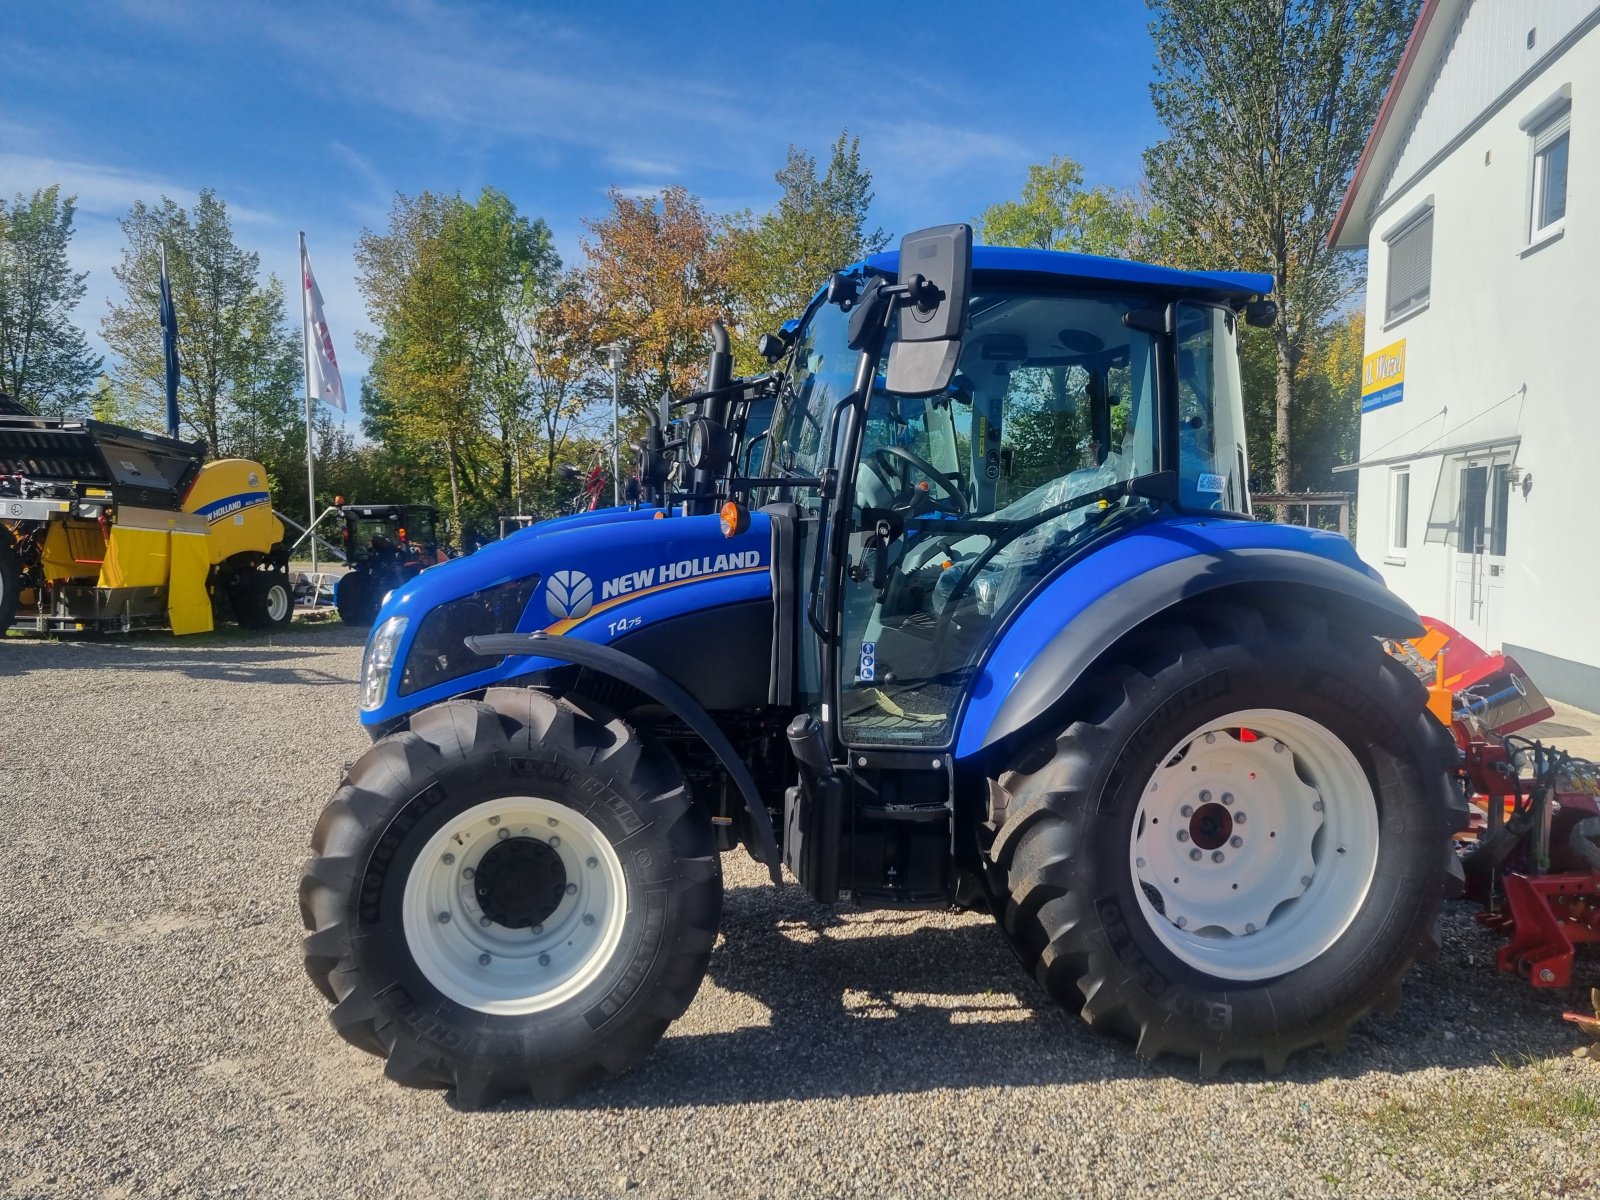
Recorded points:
(385, 545)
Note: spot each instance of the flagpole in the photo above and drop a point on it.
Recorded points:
(311, 470)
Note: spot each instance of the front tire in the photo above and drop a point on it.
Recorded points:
(356, 599)
(511, 895)
(1127, 879)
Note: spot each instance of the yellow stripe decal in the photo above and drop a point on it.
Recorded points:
(561, 627)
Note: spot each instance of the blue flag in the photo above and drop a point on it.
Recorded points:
(169, 346)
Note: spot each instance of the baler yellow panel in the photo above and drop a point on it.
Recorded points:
(135, 558)
(72, 549)
(231, 495)
(188, 603)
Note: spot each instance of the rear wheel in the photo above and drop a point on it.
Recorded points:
(262, 599)
(356, 598)
(1241, 849)
(10, 584)
(511, 895)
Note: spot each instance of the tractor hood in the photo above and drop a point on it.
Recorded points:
(596, 576)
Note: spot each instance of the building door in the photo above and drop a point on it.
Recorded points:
(1480, 552)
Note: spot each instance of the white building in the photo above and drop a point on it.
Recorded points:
(1478, 202)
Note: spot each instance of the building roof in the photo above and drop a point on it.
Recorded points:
(1094, 268)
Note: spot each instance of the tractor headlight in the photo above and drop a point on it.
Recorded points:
(378, 662)
(439, 652)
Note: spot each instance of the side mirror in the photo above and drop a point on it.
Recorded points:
(936, 266)
(710, 445)
(1261, 314)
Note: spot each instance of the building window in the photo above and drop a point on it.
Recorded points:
(1410, 266)
(1399, 511)
(1548, 200)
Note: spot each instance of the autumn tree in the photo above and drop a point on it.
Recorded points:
(1056, 212)
(45, 361)
(1267, 108)
(820, 223)
(453, 287)
(658, 273)
(239, 358)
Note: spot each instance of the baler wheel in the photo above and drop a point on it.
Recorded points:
(10, 584)
(262, 599)
(511, 895)
(1239, 847)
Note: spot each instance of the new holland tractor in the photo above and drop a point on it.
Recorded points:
(992, 627)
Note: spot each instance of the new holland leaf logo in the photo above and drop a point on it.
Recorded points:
(568, 594)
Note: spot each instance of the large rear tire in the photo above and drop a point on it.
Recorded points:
(10, 584)
(1239, 848)
(355, 598)
(511, 895)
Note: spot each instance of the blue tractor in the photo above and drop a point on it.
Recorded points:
(972, 613)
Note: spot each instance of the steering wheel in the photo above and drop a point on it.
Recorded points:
(953, 502)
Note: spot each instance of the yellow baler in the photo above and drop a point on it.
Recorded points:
(106, 527)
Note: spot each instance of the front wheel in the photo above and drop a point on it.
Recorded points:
(262, 599)
(513, 894)
(10, 584)
(1241, 849)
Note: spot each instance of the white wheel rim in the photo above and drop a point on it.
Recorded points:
(1260, 852)
(495, 968)
(277, 602)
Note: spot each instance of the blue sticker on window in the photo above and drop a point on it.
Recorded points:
(867, 671)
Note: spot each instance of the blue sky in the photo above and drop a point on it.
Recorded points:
(313, 115)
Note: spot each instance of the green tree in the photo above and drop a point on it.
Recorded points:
(1267, 107)
(1056, 212)
(819, 224)
(45, 361)
(454, 288)
(238, 357)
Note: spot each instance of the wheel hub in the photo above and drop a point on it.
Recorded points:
(520, 882)
(1254, 843)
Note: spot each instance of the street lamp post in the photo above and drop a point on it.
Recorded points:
(614, 355)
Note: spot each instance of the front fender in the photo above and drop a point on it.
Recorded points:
(1066, 627)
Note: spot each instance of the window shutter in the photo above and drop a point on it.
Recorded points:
(1410, 266)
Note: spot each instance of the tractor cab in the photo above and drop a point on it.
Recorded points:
(385, 545)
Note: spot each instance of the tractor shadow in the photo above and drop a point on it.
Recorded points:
(876, 1003)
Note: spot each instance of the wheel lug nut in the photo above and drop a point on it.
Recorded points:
(550, 821)
(1205, 796)
(1194, 855)
(484, 960)
(1249, 928)
(1217, 856)
(1182, 922)
(572, 889)
(1236, 842)
(485, 922)
(1210, 738)
(591, 862)
(467, 872)
(1183, 835)
(1227, 799)
(537, 930)
(503, 834)
(1238, 818)
(1277, 747)
(1305, 881)
(588, 918)
(444, 918)
(1316, 806)
(555, 842)
(544, 960)
(494, 820)
(1138, 862)
(1186, 811)
(448, 859)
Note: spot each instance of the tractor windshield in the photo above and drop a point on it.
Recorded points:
(964, 501)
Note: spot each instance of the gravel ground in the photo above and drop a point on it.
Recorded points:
(160, 1037)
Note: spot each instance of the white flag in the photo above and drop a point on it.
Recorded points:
(322, 368)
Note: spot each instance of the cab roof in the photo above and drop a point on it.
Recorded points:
(1094, 268)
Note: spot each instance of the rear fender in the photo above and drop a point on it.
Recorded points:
(1070, 624)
